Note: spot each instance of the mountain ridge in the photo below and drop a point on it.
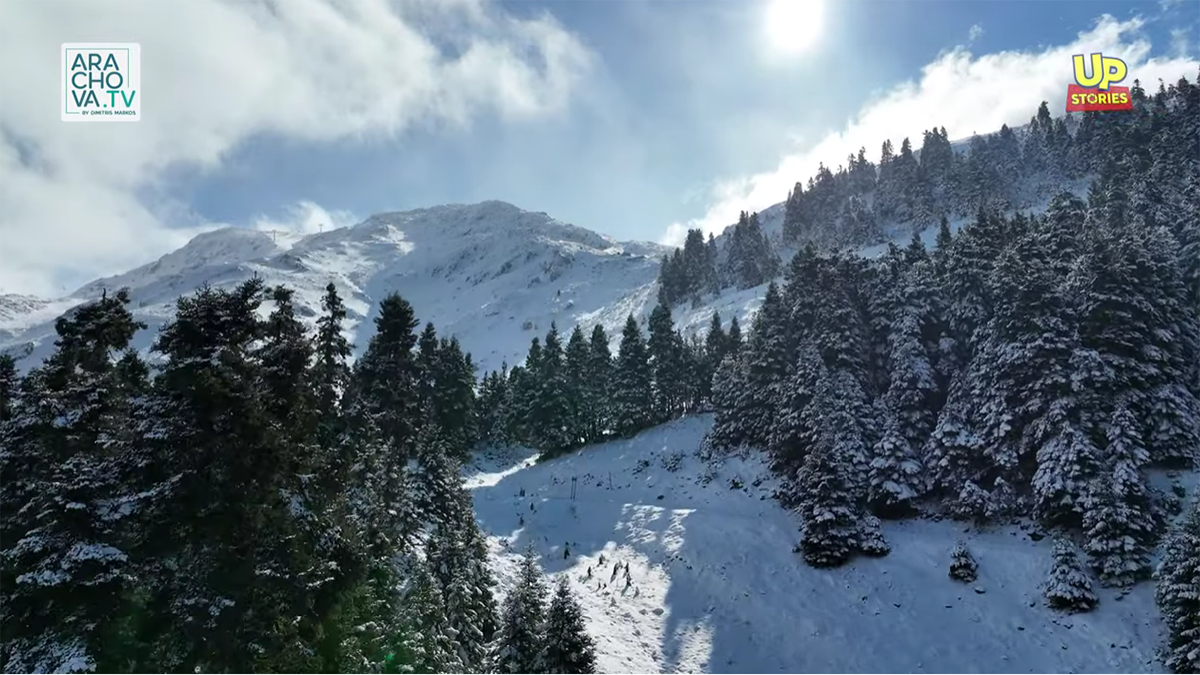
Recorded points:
(462, 266)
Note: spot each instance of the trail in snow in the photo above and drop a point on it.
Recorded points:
(715, 587)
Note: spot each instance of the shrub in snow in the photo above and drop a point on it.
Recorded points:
(1068, 586)
(673, 462)
(963, 568)
(870, 538)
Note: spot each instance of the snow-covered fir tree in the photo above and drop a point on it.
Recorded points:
(632, 389)
(1119, 524)
(1178, 599)
(1068, 587)
(429, 645)
(896, 476)
(520, 637)
(568, 647)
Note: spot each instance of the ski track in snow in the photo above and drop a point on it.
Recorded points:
(715, 586)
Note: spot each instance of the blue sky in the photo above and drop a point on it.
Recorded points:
(635, 118)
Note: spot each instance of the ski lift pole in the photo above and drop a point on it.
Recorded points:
(573, 480)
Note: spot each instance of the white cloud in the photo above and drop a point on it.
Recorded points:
(960, 91)
(306, 218)
(78, 200)
(975, 33)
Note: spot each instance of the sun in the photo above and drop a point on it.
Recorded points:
(794, 26)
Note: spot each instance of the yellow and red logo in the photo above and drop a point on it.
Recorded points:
(1095, 92)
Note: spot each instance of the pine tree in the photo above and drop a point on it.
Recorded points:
(599, 394)
(1177, 596)
(457, 555)
(1068, 586)
(387, 378)
(831, 525)
(493, 397)
(730, 427)
(65, 562)
(221, 509)
(455, 409)
(735, 337)
(550, 414)
(632, 389)
(433, 480)
(1118, 523)
(330, 371)
(668, 366)
(286, 384)
(9, 385)
(576, 366)
(568, 647)
(714, 351)
(520, 637)
(430, 644)
(767, 358)
(896, 476)
(330, 380)
(827, 483)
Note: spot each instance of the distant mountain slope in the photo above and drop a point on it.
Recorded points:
(716, 588)
(490, 273)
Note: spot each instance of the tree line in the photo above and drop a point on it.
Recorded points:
(250, 502)
(560, 399)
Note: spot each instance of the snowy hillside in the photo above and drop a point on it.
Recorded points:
(714, 586)
(490, 273)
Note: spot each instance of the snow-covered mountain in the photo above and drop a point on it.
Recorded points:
(489, 273)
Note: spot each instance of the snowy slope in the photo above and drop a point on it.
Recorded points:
(490, 273)
(716, 588)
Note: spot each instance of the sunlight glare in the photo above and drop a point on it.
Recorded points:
(794, 26)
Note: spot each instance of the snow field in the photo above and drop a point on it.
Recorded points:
(715, 587)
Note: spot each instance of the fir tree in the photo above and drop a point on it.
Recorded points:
(576, 365)
(895, 478)
(599, 394)
(668, 365)
(1068, 586)
(331, 374)
(1177, 596)
(568, 647)
(65, 561)
(1118, 523)
(632, 388)
(430, 643)
(734, 345)
(9, 384)
(550, 415)
(520, 638)
(826, 482)
(729, 425)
